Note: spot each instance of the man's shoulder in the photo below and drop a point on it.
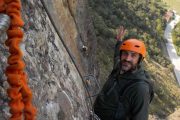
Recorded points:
(143, 89)
(138, 87)
(141, 86)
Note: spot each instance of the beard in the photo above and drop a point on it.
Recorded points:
(126, 66)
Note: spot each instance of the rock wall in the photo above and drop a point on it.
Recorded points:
(50, 27)
(74, 26)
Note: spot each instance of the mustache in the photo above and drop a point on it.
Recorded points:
(126, 61)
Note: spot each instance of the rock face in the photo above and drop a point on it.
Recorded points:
(56, 33)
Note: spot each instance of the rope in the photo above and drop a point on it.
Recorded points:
(83, 81)
(19, 92)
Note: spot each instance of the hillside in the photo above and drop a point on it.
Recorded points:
(143, 20)
(173, 4)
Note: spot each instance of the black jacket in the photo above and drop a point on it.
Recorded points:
(131, 104)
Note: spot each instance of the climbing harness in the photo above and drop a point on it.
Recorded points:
(90, 83)
(19, 92)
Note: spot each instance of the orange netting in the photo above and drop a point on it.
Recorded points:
(19, 92)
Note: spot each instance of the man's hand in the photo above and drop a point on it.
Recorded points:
(120, 33)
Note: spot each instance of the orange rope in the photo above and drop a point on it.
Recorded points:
(19, 92)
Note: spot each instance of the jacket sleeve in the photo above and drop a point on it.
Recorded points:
(116, 54)
(139, 97)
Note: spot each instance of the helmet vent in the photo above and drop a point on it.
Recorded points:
(137, 46)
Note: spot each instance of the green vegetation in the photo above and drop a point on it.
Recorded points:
(167, 93)
(176, 38)
(143, 20)
(173, 4)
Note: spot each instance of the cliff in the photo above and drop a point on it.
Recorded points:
(59, 47)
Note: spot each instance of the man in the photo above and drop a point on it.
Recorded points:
(127, 92)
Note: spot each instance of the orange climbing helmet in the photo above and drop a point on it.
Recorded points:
(134, 45)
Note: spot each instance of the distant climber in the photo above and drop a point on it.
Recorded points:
(84, 49)
(128, 92)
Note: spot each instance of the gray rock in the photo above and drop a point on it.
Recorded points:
(58, 89)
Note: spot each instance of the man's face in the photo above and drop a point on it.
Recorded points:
(129, 60)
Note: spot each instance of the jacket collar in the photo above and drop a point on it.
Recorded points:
(138, 74)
